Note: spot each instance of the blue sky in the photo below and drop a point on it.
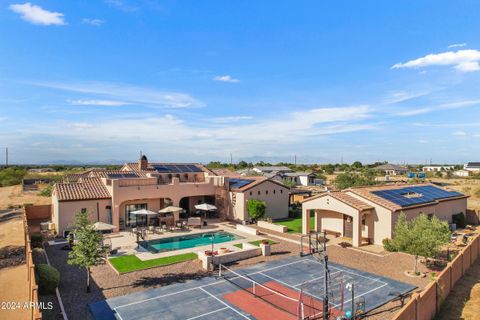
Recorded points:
(198, 80)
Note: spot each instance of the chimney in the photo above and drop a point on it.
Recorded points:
(143, 162)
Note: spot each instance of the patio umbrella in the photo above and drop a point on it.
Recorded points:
(170, 209)
(102, 226)
(144, 212)
(205, 207)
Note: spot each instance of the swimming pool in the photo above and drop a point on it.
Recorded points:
(188, 241)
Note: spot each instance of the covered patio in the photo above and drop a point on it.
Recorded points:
(339, 214)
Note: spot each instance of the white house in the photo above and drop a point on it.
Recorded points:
(472, 166)
(437, 168)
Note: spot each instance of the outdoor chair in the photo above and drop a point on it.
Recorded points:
(150, 229)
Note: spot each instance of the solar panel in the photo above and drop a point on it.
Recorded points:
(122, 175)
(236, 183)
(176, 168)
(409, 196)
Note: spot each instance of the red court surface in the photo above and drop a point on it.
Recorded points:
(265, 304)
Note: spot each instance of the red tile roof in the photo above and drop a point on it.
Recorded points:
(84, 189)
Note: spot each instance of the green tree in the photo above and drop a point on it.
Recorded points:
(11, 176)
(421, 237)
(256, 209)
(289, 183)
(357, 165)
(355, 179)
(89, 250)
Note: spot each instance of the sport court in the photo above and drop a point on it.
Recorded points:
(277, 284)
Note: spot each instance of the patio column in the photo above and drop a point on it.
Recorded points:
(318, 220)
(357, 230)
(305, 220)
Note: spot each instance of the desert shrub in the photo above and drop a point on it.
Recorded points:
(48, 278)
(36, 240)
(388, 245)
(460, 220)
(38, 256)
(256, 209)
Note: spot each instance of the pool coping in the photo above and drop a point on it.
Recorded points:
(144, 255)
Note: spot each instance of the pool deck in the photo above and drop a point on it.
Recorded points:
(126, 244)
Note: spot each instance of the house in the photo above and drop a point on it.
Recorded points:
(111, 195)
(391, 169)
(41, 170)
(472, 166)
(371, 212)
(282, 173)
(437, 168)
(270, 169)
(461, 173)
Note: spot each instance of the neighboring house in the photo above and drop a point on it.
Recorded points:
(391, 169)
(300, 178)
(40, 170)
(371, 212)
(461, 173)
(437, 168)
(111, 195)
(472, 166)
(32, 184)
(269, 169)
(281, 173)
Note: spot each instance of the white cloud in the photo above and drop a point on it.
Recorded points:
(444, 106)
(272, 133)
(231, 119)
(459, 133)
(94, 102)
(36, 15)
(3, 118)
(461, 60)
(422, 141)
(122, 5)
(128, 93)
(225, 78)
(401, 96)
(457, 45)
(93, 22)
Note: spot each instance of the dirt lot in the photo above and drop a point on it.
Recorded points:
(13, 279)
(464, 300)
(14, 196)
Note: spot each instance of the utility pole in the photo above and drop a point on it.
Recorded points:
(231, 159)
(295, 159)
(6, 157)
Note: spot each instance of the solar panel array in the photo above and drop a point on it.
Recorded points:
(176, 168)
(122, 175)
(236, 183)
(410, 196)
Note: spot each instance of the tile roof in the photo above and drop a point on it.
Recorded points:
(258, 180)
(84, 189)
(345, 198)
(366, 192)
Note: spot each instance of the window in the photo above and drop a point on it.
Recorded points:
(250, 192)
(266, 192)
(273, 191)
(281, 191)
(133, 219)
(258, 192)
(83, 210)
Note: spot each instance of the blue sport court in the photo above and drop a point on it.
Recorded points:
(281, 289)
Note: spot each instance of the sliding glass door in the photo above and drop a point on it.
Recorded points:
(133, 220)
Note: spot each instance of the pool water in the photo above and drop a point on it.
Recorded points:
(188, 241)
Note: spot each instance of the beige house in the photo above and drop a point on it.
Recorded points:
(369, 214)
(111, 195)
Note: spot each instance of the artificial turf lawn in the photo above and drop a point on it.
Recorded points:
(238, 245)
(295, 225)
(131, 263)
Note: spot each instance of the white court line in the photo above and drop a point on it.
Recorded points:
(360, 295)
(351, 272)
(314, 279)
(224, 303)
(203, 286)
(206, 314)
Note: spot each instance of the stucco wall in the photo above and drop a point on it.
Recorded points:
(68, 209)
(275, 196)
